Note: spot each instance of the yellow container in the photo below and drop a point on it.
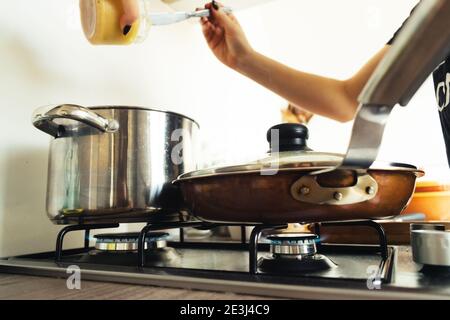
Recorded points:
(100, 20)
(431, 198)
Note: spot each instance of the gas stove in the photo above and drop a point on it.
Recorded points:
(273, 262)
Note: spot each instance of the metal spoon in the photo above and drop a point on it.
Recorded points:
(165, 18)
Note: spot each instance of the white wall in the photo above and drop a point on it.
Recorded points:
(44, 59)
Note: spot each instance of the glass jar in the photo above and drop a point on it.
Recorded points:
(100, 20)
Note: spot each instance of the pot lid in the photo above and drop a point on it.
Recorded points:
(289, 160)
(289, 152)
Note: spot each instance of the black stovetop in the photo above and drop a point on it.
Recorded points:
(358, 271)
(224, 266)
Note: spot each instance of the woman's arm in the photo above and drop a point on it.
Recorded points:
(328, 97)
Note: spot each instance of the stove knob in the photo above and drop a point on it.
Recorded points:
(292, 137)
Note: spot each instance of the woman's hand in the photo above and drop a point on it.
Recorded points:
(130, 15)
(225, 37)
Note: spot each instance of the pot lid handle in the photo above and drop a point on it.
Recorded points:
(288, 137)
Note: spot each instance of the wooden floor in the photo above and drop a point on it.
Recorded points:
(42, 288)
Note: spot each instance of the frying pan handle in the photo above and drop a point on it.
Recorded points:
(423, 43)
(365, 141)
(45, 121)
(367, 134)
(307, 189)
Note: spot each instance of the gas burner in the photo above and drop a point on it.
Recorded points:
(122, 248)
(293, 245)
(294, 253)
(128, 242)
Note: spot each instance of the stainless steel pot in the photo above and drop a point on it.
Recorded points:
(115, 163)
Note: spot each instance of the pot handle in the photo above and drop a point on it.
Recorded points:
(45, 121)
(307, 189)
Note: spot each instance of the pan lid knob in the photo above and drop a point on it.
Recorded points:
(288, 137)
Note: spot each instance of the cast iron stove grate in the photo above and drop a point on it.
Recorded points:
(239, 260)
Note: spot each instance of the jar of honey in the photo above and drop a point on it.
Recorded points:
(100, 20)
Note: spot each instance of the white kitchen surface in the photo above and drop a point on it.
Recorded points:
(44, 59)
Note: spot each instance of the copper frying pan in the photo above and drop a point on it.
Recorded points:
(255, 193)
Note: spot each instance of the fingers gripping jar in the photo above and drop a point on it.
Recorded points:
(100, 20)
